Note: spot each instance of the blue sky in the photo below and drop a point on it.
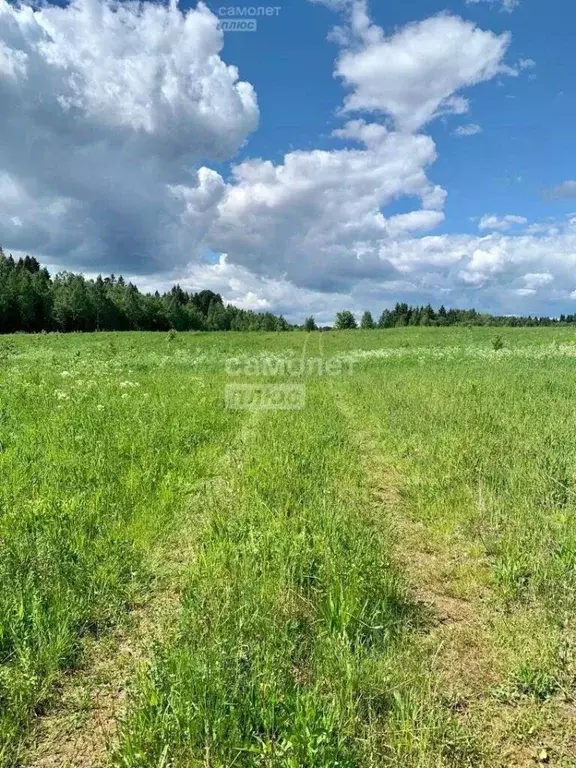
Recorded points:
(421, 152)
(527, 122)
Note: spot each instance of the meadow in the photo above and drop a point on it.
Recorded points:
(384, 575)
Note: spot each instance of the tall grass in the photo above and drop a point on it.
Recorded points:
(96, 460)
(295, 626)
(485, 450)
(299, 643)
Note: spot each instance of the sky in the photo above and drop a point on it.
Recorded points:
(344, 154)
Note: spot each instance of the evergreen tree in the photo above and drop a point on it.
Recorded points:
(367, 321)
(31, 300)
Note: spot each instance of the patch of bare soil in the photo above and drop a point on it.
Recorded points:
(78, 729)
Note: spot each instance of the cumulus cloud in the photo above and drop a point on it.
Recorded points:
(316, 218)
(416, 73)
(500, 223)
(109, 111)
(241, 287)
(535, 280)
(497, 272)
(470, 129)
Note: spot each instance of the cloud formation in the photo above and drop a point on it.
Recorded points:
(565, 190)
(109, 169)
(108, 112)
(316, 218)
(417, 73)
(504, 5)
(470, 129)
(500, 223)
(497, 271)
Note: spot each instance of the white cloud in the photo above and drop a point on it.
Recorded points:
(504, 5)
(246, 290)
(470, 129)
(491, 265)
(129, 188)
(526, 63)
(106, 165)
(535, 280)
(500, 223)
(415, 74)
(298, 219)
(499, 272)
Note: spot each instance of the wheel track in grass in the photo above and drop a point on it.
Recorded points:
(81, 723)
(79, 727)
(450, 578)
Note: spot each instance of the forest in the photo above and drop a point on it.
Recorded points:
(32, 301)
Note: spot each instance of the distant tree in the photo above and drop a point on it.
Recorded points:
(216, 317)
(345, 321)
(367, 321)
(386, 319)
(310, 324)
(204, 299)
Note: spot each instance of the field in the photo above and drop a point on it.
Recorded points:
(385, 576)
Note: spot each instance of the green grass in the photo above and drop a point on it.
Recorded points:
(302, 639)
(293, 624)
(97, 454)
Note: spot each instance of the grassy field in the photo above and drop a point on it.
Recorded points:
(384, 576)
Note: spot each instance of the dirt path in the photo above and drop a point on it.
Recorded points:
(465, 638)
(78, 730)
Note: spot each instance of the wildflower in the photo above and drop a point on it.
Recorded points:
(100, 407)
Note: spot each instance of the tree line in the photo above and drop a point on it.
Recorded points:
(32, 301)
(405, 315)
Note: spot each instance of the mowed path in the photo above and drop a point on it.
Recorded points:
(474, 642)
